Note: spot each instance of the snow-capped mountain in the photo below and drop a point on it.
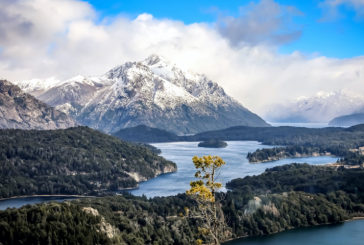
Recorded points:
(322, 107)
(154, 92)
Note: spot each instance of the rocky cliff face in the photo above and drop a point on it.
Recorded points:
(154, 92)
(23, 111)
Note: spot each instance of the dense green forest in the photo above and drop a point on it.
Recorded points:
(303, 177)
(281, 198)
(142, 133)
(73, 161)
(276, 153)
(352, 137)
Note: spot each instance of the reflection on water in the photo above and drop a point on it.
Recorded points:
(234, 155)
(338, 234)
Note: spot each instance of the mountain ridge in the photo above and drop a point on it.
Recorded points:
(154, 92)
(320, 108)
(348, 120)
(23, 111)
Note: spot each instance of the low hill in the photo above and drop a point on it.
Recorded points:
(73, 161)
(23, 111)
(213, 144)
(144, 133)
(348, 120)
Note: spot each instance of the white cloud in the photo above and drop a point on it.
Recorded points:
(262, 22)
(63, 38)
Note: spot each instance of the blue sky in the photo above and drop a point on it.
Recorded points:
(339, 36)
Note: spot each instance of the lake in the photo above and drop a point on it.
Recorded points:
(237, 166)
(338, 234)
(19, 202)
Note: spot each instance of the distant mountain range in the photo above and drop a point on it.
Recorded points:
(22, 111)
(322, 107)
(153, 92)
(348, 120)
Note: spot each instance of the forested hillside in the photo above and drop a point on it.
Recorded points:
(74, 161)
(352, 137)
(282, 198)
(276, 153)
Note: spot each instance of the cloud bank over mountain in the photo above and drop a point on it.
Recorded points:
(41, 38)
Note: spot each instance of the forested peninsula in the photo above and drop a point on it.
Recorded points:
(74, 161)
(281, 198)
(277, 153)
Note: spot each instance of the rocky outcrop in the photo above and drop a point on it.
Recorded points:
(153, 92)
(104, 227)
(22, 111)
(164, 169)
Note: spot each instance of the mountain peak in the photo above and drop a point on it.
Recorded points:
(78, 78)
(156, 60)
(154, 92)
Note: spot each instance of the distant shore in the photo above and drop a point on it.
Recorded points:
(241, 237)
(16, 197)
(273, 159)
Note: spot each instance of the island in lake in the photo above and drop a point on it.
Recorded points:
(213, 144)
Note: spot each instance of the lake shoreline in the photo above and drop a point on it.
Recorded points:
(282, 158)
(241, 237)
(18, 197)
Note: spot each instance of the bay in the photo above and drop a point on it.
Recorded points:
(337, 234)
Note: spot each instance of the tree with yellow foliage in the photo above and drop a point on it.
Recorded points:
(203, 191)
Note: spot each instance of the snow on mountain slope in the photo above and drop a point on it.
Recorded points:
(40, 85)
(154, 92)
(322, 107)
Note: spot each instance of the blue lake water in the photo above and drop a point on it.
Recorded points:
(19, 202)
(348, 233)
(237, 166)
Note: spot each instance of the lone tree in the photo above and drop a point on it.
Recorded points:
(203, 191)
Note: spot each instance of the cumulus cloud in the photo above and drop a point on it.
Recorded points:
(262, 22)
(64, 38)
